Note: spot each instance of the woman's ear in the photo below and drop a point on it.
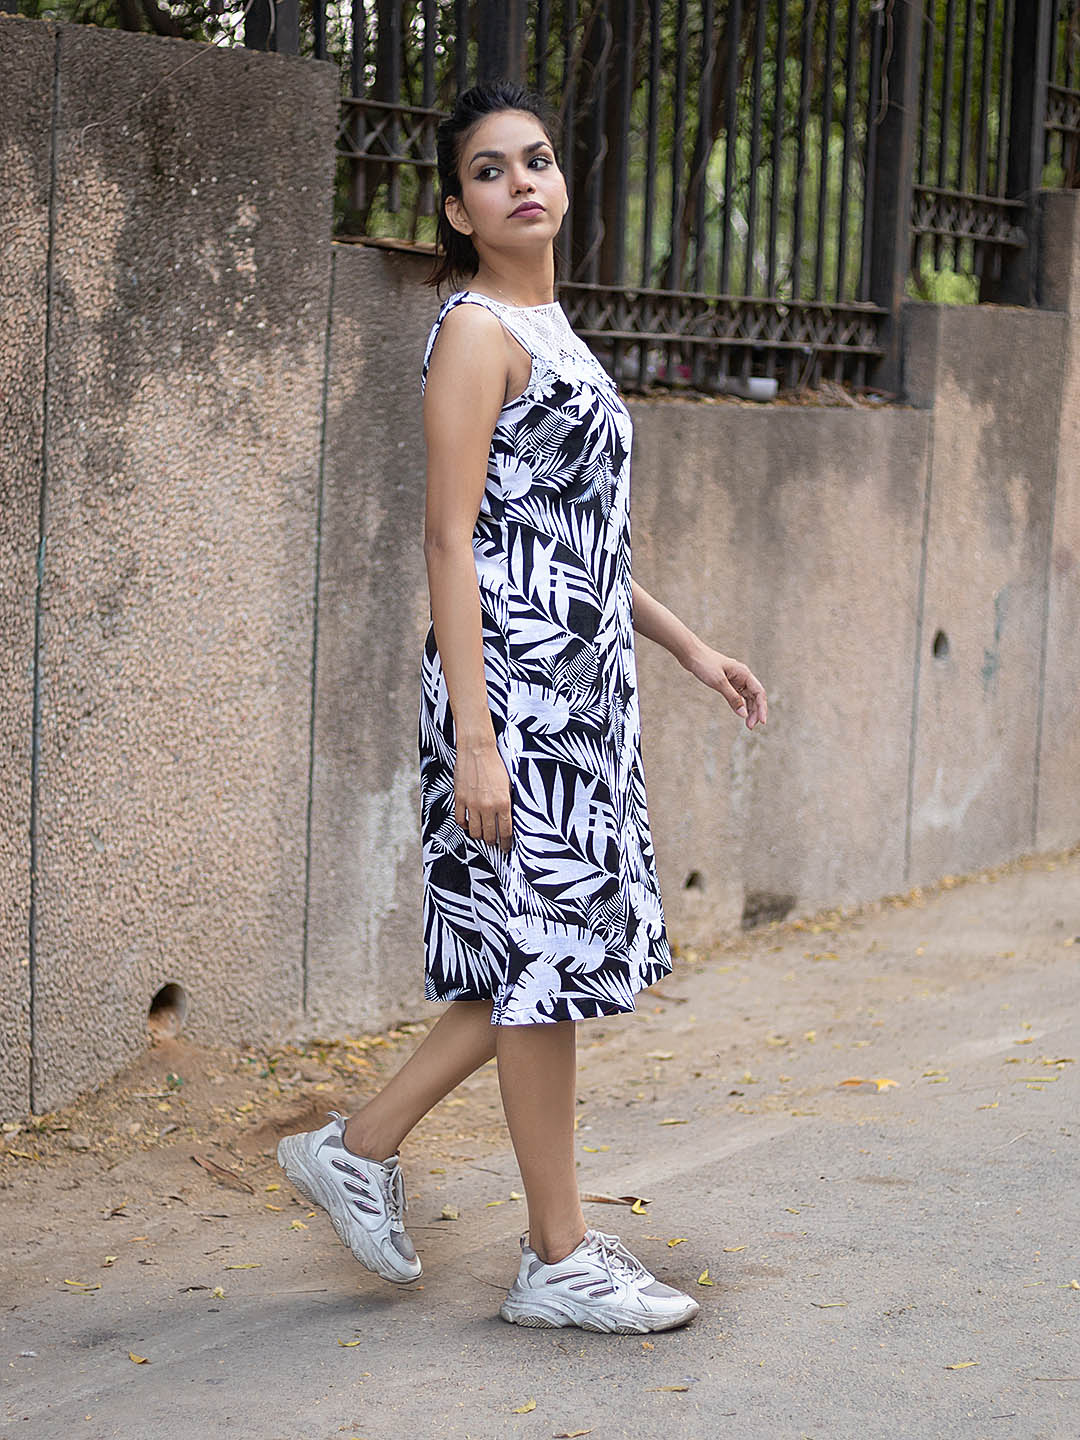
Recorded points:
(458, 219)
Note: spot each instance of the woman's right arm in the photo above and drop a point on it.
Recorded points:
(463, 394)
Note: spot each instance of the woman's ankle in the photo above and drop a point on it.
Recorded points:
(367, 1145)
(553, 1248)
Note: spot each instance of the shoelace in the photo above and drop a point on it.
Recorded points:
(613, 1255)
(395, 1195)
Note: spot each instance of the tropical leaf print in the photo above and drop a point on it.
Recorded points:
(569, 923)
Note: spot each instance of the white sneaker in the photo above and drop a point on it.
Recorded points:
(599, 1286)
(364, 1199)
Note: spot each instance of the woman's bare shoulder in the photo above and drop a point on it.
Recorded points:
(470, 339)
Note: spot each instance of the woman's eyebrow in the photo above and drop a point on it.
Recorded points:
(501, 155)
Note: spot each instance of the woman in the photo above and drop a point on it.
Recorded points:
(541, 901)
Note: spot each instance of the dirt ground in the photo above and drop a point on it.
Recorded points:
(899, 1075)
(186, 1123)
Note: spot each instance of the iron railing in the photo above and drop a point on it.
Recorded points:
(752, 183)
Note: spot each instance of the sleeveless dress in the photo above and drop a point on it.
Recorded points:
(568, 924)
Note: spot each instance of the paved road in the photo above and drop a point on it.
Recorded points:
(889, 1260)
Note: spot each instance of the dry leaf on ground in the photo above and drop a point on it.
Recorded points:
(601, 1199)
(222, 1175)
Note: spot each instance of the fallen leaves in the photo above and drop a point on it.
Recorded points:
(962, 1365)
(251, 1265)
(703, 1278)
(224, 1176)
(138, 1359)
(854, 1081)
(83, 1286)
(348, 1344)
(524, 1409)
(449, 1212)
(678, 1240)
(634, 1201)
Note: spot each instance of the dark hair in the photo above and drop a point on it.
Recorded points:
(455, 254)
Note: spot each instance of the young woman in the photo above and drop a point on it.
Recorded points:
(541, 901)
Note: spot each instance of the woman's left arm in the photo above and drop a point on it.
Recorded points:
(742, 689)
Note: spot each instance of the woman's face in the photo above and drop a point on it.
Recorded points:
(506, 161)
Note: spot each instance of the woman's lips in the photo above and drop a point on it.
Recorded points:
(530, 209)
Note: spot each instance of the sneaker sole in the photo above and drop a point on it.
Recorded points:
(551, 1318)
(293, 1160)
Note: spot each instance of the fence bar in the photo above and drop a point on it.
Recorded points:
(652, 143)
(500, 30)
(755, 151)
(597, 56)
(678, 194)
(826, 127)
(703, 146)
(426, 199)
(967, 63)
(625, 22)
(733, 31)
(462, 11)
(1003, 90)
(805, 74)
(777, 143)
(850, 70)
(893, 181)
(356, 120)
(1027, 117)
(542, 41)
(567, 113)
(983, 134)
(318, 28)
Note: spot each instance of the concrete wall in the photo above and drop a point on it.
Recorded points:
(212, 417)
(27, 60)
(178, 261)
(1058, 814)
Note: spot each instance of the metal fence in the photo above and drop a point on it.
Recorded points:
(754, 184)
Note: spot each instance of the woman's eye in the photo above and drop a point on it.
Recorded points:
(481, 174)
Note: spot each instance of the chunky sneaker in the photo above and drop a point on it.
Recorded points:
(599, 1286)
(364, 1199)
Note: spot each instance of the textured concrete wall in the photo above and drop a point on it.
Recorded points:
(188, 303)
(364, 929)
(993, 377)
(790, 538)
(1059, 751)
(27, 60)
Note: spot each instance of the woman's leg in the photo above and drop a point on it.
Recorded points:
(538, 1083)
(458, 1043)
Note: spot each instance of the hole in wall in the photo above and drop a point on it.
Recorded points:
(694, 881)
(167, 1011)
(941, 645)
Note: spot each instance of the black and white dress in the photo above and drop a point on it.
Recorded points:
(568, 924)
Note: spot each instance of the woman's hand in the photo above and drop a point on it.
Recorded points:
(482, 792)
(739, 686)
